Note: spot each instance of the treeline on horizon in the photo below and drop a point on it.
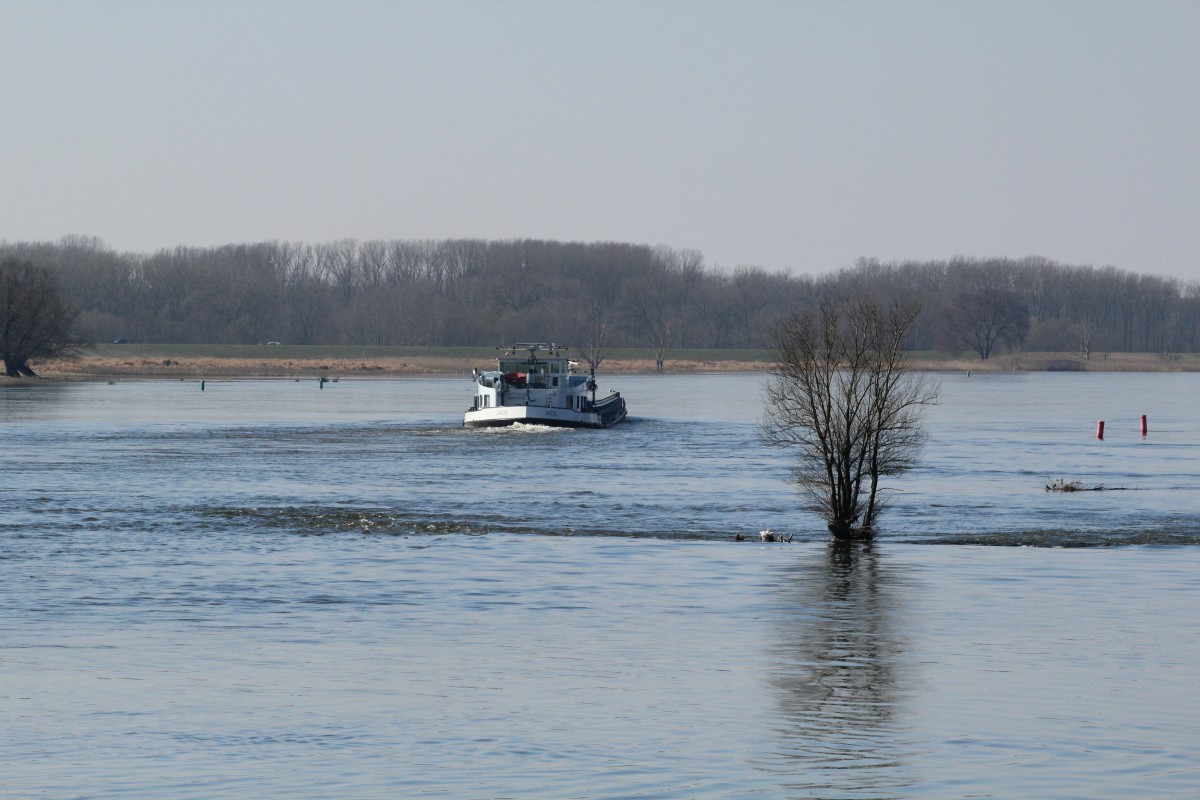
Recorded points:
(471, 292)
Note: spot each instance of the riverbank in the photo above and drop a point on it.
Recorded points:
(181, 361)
(88, 368)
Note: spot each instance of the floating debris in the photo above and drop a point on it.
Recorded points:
(1061, 485)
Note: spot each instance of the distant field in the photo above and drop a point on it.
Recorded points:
(199, 361)
(337, 352)
(283, 351)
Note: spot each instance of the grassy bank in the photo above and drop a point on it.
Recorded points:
(161, 360)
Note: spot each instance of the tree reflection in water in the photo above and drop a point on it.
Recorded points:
(838, 676)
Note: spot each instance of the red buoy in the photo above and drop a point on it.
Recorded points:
(1100, 429)
(1143, 424)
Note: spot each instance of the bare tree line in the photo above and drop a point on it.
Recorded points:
(471, 292)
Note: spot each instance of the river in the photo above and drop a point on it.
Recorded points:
(267, 589)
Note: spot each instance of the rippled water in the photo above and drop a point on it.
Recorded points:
(271, 590)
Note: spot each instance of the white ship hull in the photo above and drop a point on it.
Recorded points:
(541, 415)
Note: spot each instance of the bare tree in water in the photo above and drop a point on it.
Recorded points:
(842, 396)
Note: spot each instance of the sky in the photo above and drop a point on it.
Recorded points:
(793, 136)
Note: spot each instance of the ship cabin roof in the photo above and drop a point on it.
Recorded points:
(535, 359)
(553, 365)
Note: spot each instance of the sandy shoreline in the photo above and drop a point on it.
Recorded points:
(96, 367)
(92, 368)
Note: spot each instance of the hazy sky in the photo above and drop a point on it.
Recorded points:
(792, 135)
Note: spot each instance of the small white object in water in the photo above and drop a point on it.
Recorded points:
(767, 535)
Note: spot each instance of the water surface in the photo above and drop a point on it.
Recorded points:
(269, 590)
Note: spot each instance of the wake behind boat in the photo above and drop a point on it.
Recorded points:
(540, 387)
